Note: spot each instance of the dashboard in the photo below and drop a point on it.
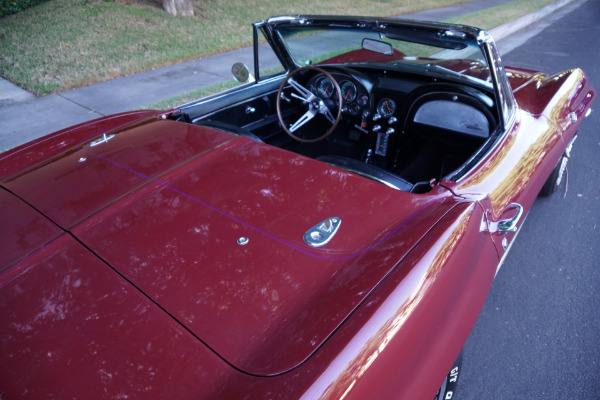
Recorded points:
(411, 125)
(383, 103)
(366, 105)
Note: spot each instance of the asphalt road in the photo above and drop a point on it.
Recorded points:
(538, 336)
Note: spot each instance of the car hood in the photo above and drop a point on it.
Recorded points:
(210, 227)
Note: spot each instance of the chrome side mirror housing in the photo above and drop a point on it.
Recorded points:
(241, 73)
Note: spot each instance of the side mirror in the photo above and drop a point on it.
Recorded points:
(241, 73)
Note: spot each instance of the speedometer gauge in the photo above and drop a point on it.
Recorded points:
(386, 107)
(325, 88)
(348, 91)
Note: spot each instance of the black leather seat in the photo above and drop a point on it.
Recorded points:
(369, 171)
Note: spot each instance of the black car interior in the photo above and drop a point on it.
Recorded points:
(403, 130)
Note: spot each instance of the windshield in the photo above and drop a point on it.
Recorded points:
(439, 50)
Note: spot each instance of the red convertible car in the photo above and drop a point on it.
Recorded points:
(328, 229)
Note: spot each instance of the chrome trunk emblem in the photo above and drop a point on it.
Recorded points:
(320, 234)
(104, 139)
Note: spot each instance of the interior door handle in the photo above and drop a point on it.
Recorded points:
(510, 225)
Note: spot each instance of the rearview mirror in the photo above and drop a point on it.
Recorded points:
(377, 46)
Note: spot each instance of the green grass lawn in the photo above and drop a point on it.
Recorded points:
(63, 44)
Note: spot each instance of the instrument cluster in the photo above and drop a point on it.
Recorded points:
(354, 97)
(378, 116)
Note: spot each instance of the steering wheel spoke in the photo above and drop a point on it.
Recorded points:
(299, 97)
(314, 103)
(302, 120)
(304, 92)
(327, 113)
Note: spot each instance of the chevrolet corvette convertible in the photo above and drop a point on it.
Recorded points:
(329, 228)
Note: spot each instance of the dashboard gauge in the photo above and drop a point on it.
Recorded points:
(325, 88)
(348, 91)
(363, 100)
(354, 109)
(386, 107)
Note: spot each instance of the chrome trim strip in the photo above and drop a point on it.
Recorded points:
(370, 177)
(534, 77)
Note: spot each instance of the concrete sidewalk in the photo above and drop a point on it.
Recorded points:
(24, 117)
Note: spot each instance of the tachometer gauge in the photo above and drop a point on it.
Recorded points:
(386, 107)
(325, 88)
(348, 91)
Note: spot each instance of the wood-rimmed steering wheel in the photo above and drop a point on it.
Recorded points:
(314, 104)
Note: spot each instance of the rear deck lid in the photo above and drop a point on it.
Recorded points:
(216, 237)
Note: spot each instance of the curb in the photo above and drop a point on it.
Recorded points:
(509, 28)
(11, 93)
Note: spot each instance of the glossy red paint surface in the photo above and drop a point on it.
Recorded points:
(29, 154)
(164, 208)
(362, 55)
(79, 181)
(261, 298)
(562, 98)
(428, 299)
(70, 325)
(23, 230)
(418, 317)
(176, 239)
(517, 168)
(121, 274)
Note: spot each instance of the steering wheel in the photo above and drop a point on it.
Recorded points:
(313, 103)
